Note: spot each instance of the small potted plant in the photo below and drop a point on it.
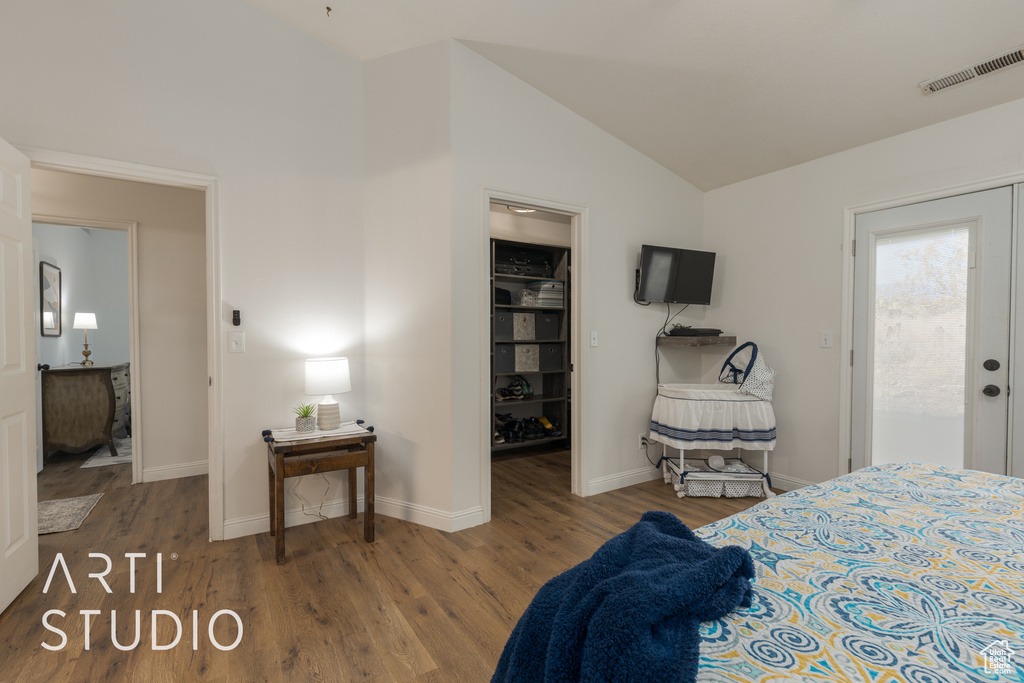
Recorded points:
(306, 419)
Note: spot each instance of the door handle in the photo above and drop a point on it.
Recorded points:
(990, 390)
(42, 366)
(991, 365)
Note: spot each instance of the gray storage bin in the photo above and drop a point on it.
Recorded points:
(547, 326)
(503, 324)
(550, 357)
(524, 326)
(527, 358)
(504, 357)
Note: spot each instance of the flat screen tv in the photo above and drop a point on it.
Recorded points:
(675, 276)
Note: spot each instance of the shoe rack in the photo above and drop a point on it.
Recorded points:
(529, 344)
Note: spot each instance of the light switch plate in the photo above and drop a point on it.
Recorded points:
(236, 342)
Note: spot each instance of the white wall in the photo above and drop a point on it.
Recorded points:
(442, 123)
(68, 249)
(226, 90)
(110, 267)
(223, 89)
(780, 275)
(408, 281)
(507, 136)
(94, 278)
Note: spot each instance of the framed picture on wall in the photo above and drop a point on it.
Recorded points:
(49, 299)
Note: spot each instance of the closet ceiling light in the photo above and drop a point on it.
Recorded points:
(520, 209)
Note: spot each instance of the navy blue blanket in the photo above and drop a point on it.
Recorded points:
(631, 612)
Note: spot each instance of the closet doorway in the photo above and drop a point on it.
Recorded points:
(532, 365)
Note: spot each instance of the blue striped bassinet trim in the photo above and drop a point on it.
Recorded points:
(724, 435)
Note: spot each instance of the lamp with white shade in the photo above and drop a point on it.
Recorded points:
(85, 322)
(327, 376)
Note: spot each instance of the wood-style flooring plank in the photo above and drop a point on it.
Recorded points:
(418, 604)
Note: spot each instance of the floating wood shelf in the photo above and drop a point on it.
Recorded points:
(697, 341)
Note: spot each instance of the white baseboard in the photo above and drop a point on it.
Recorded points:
(247, 526)
(618, 481)
(785, 483)
(188, 469)
(432, 517)
(409, 512)
(260, 524)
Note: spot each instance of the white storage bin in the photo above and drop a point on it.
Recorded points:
(737, 481)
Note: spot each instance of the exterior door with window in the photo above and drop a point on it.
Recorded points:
(931, 333)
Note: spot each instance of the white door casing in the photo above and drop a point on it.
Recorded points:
(987, 217)
(108, 168)
(19, 542)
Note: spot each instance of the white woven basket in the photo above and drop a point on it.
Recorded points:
(743, 489)
(704, 488)
(707, 484)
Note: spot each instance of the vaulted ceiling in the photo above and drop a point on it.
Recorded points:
(715, 90)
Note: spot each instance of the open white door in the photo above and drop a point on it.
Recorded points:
(19, 542)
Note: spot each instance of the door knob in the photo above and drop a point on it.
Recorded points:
(42, 366)
(991, 365)
(990, 390)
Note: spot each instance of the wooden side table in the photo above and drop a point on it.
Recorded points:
(328, 454)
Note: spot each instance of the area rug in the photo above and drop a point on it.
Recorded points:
(102, 457)
(65, 514)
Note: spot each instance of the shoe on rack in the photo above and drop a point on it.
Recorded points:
(532, 429)
(522, 386)
(546, 424)
(517, 431)
(509, 393)
(508, 427)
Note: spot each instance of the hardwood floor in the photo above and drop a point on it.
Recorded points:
(416, 605)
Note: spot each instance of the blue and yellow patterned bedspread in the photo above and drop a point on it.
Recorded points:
(893, 573)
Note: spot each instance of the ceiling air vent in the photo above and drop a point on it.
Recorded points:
(980, 69)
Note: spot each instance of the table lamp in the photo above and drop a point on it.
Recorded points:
(85, 322)
(327, 376)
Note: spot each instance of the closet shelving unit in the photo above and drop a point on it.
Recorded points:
(550, 381)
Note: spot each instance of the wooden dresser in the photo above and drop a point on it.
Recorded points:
(85, 407)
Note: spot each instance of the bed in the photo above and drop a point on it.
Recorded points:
(893, 573)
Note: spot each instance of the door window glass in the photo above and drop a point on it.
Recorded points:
(919, 346)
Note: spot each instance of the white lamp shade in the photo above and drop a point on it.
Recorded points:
(85, 321)
(326, 376)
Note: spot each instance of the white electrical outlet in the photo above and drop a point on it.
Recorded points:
(593, 338)
(826, 340)
(643, 442)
